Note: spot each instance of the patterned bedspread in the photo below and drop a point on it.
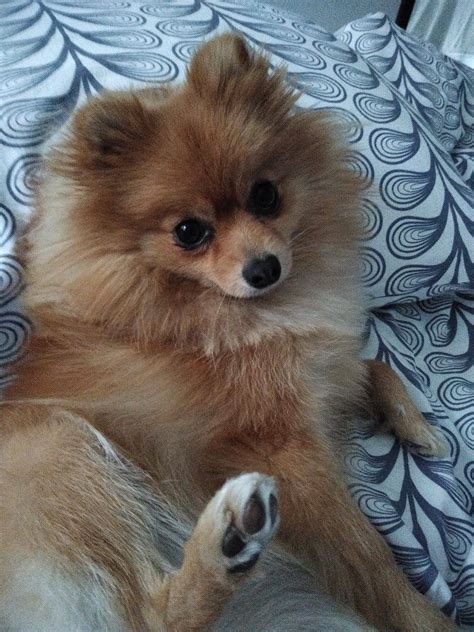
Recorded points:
(408, 115)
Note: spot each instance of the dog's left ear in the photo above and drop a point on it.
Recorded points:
(226, 72)
(217, 62)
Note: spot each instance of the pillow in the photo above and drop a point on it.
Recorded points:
(440, 89)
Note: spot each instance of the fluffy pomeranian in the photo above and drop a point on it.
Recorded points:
(192, 275)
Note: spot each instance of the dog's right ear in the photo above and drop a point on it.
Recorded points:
(110, 128)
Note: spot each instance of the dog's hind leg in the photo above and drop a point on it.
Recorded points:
(231, 533)
(77, 529)
(321, 522)
(82, 532)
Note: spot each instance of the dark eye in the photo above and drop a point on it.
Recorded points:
(192, 233)
(264, 198)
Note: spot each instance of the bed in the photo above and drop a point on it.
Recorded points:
(408, 114)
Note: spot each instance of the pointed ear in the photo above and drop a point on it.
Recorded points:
(109, 128)
(217, 62)
(226, 73)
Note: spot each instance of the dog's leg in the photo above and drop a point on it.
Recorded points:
(77, 527)
(80, 532)
(224, 548)
(393, 409)
(321, 522)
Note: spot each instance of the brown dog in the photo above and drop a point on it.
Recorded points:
(192, 276)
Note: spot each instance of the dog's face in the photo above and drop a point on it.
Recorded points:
(211, 191)
(230, 239)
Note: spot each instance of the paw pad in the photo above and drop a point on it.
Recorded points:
(251, 503)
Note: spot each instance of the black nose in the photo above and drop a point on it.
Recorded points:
(261, 273)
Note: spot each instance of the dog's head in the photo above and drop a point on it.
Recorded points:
(165, 206)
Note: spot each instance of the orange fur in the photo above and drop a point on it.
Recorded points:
(168, 353)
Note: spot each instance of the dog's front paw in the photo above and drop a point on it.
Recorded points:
(428, 441)
(245, 517)
(411, 427)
